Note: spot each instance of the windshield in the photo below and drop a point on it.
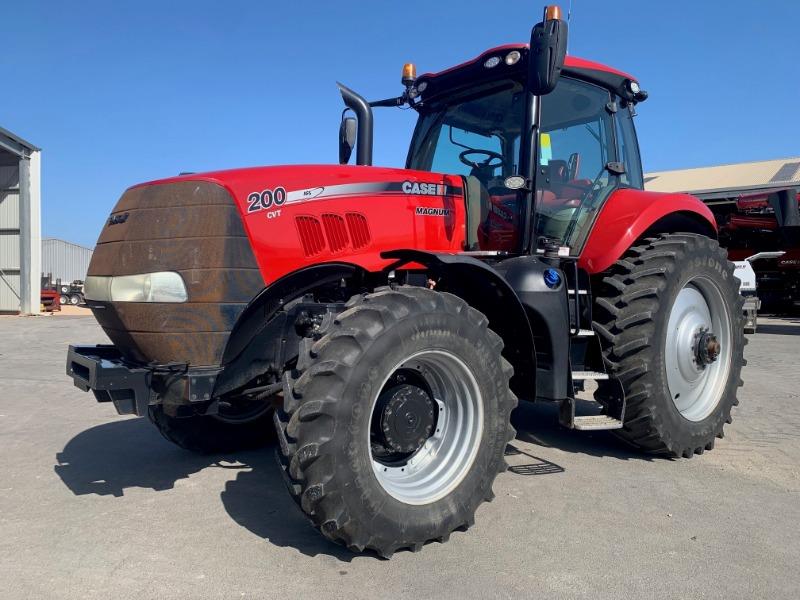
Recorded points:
(477, 135)
(474, 135)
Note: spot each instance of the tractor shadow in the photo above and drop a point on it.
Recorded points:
(258, 501)
(109, 459)
(537, 423)
(790, 328)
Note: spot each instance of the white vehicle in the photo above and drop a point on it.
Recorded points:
(747, 288)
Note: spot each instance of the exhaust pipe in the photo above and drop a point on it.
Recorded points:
(364, 115)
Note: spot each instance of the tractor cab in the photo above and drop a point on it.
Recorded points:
(540, 144)
(586, 149)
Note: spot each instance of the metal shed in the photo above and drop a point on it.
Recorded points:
(64, 260)
(727, 181)
(20, 225)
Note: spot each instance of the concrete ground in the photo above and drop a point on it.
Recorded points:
(93, 505)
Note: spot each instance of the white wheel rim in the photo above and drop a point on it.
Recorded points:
(695, 388)
(438, 467)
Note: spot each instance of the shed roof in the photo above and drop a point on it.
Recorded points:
(722, 180)
(53, 240)
(10, 142)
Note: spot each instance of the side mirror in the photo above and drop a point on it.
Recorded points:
(347, 139)
(547, 51)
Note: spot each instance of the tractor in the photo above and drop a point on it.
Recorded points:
(384, 322)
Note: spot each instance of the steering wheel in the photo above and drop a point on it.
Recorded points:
(490, 156)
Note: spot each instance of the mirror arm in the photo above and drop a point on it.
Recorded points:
(399, 101)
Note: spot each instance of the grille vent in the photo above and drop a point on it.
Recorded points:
(359, 230)
(311, 236)
(333, 231)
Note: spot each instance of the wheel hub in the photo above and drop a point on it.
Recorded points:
(707, 348)
(407, 416)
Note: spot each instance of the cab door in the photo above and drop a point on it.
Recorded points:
(578, 161)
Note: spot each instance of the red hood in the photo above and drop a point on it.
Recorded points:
(297, 215)
(231, 233)
(292, 177)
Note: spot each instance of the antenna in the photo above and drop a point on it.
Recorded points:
(569, 16)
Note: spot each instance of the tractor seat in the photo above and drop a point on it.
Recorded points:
(478, 204)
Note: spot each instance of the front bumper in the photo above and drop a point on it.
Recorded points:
(133, 388)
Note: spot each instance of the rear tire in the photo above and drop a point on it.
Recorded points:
(331, 461)
(655, 312)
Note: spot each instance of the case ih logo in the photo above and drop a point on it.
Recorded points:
(428, 211)
(423, 189)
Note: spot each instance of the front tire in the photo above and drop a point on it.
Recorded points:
(670, 319)
(206, 434)
(396, 420)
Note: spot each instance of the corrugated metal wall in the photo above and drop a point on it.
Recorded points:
(64, 260)
(9, 238)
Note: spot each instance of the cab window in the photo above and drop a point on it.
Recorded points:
(453, 142)
(575, 145)
(476, 135)
(629, 149)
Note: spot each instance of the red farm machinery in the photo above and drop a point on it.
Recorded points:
(385, 322)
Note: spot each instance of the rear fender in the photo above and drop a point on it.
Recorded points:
(485, 290)
(630, 214)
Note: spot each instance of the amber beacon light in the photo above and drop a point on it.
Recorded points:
(552, 13)
(409, 74)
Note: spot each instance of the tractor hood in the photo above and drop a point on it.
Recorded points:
(302, 214)
(230, 234)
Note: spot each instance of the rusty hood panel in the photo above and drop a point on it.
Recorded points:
(194, 228)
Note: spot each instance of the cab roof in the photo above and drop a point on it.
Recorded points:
(472, 70)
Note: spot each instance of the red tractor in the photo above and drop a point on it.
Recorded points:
(387, 320)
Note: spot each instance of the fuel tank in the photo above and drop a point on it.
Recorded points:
(229, 234)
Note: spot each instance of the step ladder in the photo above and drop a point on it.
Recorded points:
(615, 410)
(612, 420)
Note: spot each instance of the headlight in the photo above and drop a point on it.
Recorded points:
(165, 286)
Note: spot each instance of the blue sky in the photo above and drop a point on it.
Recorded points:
(121, 92)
